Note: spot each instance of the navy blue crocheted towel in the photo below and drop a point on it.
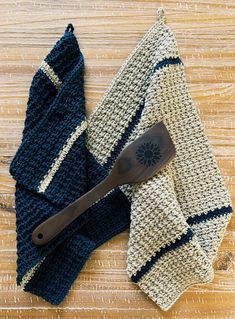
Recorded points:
(52, 167)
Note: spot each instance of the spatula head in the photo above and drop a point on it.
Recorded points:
(145, 156)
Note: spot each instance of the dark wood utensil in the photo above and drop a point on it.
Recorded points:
(137, 162)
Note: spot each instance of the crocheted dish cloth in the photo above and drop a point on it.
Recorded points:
(52, 168)
(177, 218)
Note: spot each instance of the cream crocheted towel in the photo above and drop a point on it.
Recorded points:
(179, 216)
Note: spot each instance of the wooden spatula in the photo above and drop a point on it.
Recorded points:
(137, 162)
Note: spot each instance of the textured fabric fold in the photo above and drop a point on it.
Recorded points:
(54, 122)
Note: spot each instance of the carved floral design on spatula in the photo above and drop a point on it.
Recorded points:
(148, 154)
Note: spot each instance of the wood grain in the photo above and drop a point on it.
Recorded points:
(107, 32)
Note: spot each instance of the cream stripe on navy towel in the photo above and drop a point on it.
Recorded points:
(45, 67)
(61, 156)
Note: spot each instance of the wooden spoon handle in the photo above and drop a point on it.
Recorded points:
(51, 227)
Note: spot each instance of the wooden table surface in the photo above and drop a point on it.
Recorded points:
(107, 32)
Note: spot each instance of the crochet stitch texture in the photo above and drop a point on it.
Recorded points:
(177, 218)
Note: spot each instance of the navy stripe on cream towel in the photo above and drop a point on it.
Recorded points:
(185, 238)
